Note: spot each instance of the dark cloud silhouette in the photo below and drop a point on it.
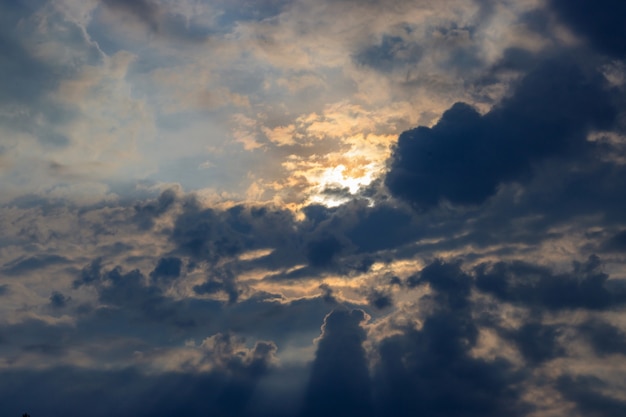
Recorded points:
(600, 22)
(585, 392)
(430, 371)
(58, 300)
(379, 299)
(451, 284)
(465, 156)
(132, 293)
(220, 280)
(381, 227)
(129, 392)
(605, 338)
(617, 242)
(167, 269)
(339, 384)
(538, 343)
(147, 212)
(209, 235)
(322, 252)
(327, 294)
(585, 286)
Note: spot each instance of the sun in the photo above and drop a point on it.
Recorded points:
(335, 185)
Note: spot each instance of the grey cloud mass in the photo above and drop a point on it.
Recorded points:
(306, 208)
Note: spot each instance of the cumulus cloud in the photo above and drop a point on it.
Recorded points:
(339, 382)
(466, 156)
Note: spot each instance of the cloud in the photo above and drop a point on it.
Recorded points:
(22, 266)
(380, 299)
(585, 392)
(430, 370)
(391, 52)
(538, 343)
(586, 286)
(160, 20)
(146, 213)
(339, 382)
(167, 269)
(600, 23)
(605, 338)
(214, 189)
(466, 156)
(617, 242)
(58, 300)
(145, 11)
(64, 391)
(322, 252)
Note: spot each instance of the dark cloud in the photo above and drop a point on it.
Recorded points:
(616, 243)
(90, 274)
(463, 51)
(167, 269)
(322, 252)
(390, 53)
(25, 265)
(132, 294)
(327, 294)
(586, 286)
(451, 284)
(538, 342)
(431, 371)
(58, 300)
(317, 213)
(381, 227)
(466, 156)
(220, 280)
(129, 289)
(605, 338)
(380, 299)
(585, 392)
(147, 212)
(515, 59)
(129, 392)
(339, 384)
(601, 22)
(210, 235)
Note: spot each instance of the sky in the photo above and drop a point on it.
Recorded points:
(298, 208)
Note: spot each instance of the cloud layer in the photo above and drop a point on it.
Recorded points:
(297, 208)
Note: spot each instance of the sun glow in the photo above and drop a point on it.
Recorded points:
(336, 185)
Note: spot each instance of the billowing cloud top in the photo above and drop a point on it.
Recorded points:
(305, 208)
